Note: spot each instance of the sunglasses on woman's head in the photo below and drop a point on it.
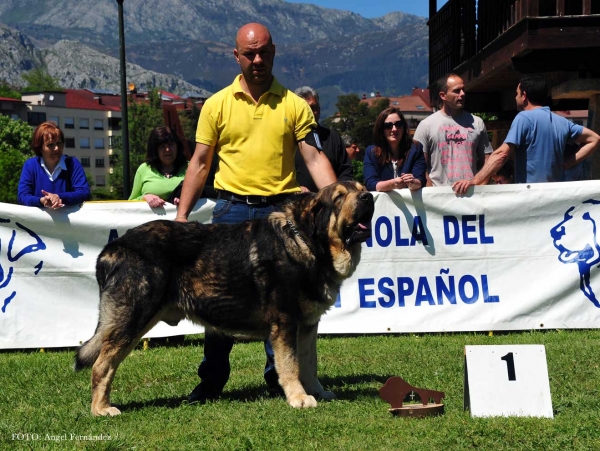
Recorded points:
(389, 125)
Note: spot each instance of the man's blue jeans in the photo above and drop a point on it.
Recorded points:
(214, 369)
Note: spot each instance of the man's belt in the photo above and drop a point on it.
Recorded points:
(251, 200)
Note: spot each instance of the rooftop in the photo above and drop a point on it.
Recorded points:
(416, 102)
(9, 99)
(85, 99)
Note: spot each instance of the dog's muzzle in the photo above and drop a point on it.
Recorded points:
(359, 230)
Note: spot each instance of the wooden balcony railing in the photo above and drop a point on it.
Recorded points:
(451, 37)
(461, 28)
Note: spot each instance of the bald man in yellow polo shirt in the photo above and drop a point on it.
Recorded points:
(254, 125)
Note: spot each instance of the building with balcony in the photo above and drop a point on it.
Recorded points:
(14, 108)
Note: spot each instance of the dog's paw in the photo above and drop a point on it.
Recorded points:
(106, 411)
(326, 396)
(302, 402)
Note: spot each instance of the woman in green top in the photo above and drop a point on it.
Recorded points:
(163, 170)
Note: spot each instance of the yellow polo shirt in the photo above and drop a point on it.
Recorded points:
(255, 142)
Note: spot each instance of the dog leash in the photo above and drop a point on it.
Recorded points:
(296, 232)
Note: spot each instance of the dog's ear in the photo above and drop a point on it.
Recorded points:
(311, 215)
(322, 219)
(359, 187)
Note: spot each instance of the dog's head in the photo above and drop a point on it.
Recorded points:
(343, 211)
(334, 222)
(575, 236)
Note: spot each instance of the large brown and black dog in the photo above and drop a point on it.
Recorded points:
(271, 277)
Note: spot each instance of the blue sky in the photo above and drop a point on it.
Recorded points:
(376, 8)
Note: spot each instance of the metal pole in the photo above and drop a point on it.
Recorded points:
(124, 118)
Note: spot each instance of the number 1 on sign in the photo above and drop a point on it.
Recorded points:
(510, 366)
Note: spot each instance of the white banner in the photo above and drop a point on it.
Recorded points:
(507, 257)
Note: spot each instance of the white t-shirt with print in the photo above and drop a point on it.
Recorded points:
(455, 146)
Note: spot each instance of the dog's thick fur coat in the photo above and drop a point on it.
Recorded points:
(268, 278)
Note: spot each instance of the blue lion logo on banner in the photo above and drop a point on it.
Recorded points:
(576, 238)
(14, 253)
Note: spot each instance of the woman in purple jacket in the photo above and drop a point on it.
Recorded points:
(394, 162)
(51, 179)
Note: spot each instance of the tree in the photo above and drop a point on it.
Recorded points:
(143, 117)
(15, 142)
(40, 80)
(487, 117)
(9, 91)
(357, 171)
(350, 110)
(16, 134)
(189, 121)
(357, 119)
(11, 164)
(105, 194)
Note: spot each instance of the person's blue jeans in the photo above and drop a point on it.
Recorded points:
(214, 369)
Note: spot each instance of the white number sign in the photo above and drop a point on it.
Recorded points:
(507, 380)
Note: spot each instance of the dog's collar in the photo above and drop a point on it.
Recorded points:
(296, 232)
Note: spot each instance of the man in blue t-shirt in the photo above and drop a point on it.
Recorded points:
(537, 139)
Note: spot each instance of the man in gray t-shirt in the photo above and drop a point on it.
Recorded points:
(455, 142)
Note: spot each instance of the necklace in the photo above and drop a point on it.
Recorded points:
(395, 163)
(167, 174)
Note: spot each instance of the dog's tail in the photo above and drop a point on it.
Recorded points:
(88, 352)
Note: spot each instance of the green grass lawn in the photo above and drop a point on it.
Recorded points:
(40, 394)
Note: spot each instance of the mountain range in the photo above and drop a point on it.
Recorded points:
(192, 40)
